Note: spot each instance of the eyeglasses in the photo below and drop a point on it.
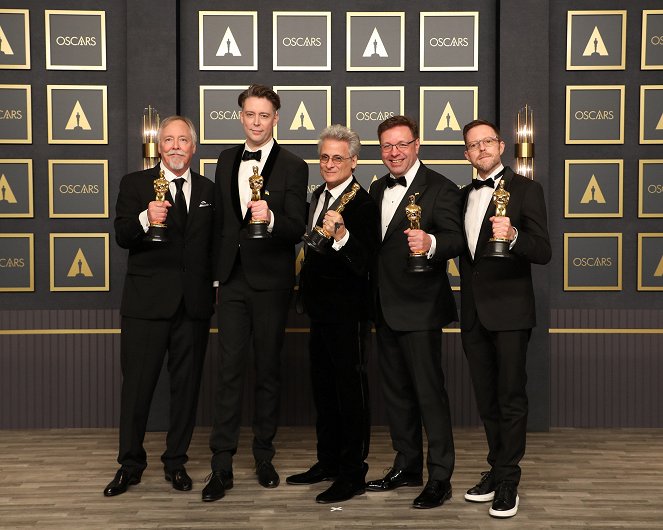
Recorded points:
(489, 141)
(337, 160)
(401, 146)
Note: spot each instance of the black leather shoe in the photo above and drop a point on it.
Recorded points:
(317, 473)
(341, 490)
(218, 482)
(395, 479)
(267, 475)
(123, 479)
(484, 491)
(434, 494)
(181, 481)
(505, 503)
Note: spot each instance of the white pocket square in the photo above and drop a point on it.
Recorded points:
(204, 204)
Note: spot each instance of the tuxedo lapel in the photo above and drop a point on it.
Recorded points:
(315, 197)
(234, 184)
(269, 164)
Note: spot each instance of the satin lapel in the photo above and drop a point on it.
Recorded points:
(315, 197)
(466, 197)
(234, 183)
(418, 186)
(269, 165)
(380, 186)
(486, 226)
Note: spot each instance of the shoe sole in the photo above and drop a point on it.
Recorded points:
(480, 498)
(298, 483)
(503, 514)
(406, 485)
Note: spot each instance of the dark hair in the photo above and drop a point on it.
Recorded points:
(396, 121)
(260, 91)
(476, 123)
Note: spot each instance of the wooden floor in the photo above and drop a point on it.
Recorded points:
(571, 479)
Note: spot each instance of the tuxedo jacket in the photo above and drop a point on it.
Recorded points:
(418, 301)
(160, 275)
(334, 284)
(266, 263)
(498, 291)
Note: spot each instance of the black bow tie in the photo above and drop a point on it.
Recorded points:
(478, 183)
(391, 182)
(251, 155)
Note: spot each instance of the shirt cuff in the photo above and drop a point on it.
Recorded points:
(513, 242)
(144, 222)
(270, 226)
(433, 247)
(338, 245)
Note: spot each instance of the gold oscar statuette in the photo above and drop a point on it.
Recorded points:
(498, 247)
(318, 238)
(257, 228)
(416, 261)
(156, 233)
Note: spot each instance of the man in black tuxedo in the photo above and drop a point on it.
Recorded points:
(411, 308)
(497, 308)
(167, 301)
(255, 282)
(335, 293)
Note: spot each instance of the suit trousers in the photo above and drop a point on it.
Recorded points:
(497, 361)
(248, 319)
(413, 388)
(340, 392)
(143, 347)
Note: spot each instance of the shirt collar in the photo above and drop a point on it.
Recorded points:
(338, 190)
(411, 173)
(170, 176)
(265, 149)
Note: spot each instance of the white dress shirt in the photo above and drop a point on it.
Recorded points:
(477, 204)
(335, 194)
(246, 170)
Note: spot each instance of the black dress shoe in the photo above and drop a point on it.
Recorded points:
(267, 475)
(181, 481)
(123, 479)
(341, 490)
(434, 494)
(395, 479)
(505, 503)
(217, 484)
(484, 491)
(317, 473)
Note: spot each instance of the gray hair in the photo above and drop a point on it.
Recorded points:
(170, 119)
(341, 133)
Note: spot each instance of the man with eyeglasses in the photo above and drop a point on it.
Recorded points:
(335, 294)
(411, 308)
(255, 283)
(497, 308)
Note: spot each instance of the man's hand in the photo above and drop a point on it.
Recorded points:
(502, 228)
(334, 225)
(418, 240)
(259, 210)
(157, 211)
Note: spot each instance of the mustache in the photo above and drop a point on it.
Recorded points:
(176, 152)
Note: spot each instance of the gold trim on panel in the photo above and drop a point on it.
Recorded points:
(569, 88)
(422, 111)
(570, 235)
(348, 107)
(201, 104)
(30, 212)
(201, 50)
(28, 116)
(275, 16)
(26, 35)
(569, 37)
(567, 207)
(31, 286)
(643, 89)
(643, 48)
(641, 236)
(348, 45)
(607, 331)
(88, 235)
(201, 165)
(47, 23)
(326, 89)
(422, 26)
(641, 190)
(104, 110)
(52, 214)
